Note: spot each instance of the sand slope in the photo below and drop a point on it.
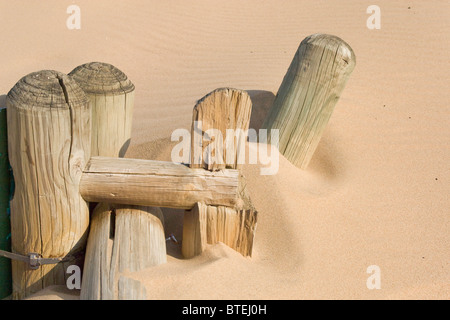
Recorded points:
(376, 192)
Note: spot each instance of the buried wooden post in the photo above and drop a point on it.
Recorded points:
(49, 144)
(213, 148)
(206, 224)
(308, 94)
(122, 239)
(137, 234)
(111, 94)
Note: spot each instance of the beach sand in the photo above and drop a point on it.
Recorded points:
(377, 189)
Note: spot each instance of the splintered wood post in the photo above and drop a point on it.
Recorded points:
(156, 183)
(206, 224)
(212, 147)
(219, 131)
(308, 94)
(112, 99)
(49, 144)
(121, 239)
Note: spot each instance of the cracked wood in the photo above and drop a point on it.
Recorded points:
(49, 144)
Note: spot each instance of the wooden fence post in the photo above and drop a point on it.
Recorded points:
(49, 145)
(221, 110)
(212, 148)
(308, 94)
(121, 239)
(112, 100)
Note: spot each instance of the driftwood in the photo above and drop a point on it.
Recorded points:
(156, 183)
(223, 109)
(49, 145)
(308, 94)
(111, 95)
(121, 239)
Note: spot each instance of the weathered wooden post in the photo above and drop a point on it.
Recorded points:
(49, 145)
(112, 101)
(308, 94)
(121, 239)
(218, 137)
(137, 233)
(213, 148)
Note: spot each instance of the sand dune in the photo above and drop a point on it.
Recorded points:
(376, 191)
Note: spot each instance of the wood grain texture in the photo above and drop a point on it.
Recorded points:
(223, 109)
(111, 94)
(206, 224)
(156, 183)
(308, 94)
(121, 239)
(233, 226)
(194, 231)
(49, 145)
(220, 110)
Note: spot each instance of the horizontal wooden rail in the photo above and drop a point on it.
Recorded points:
(157, 184)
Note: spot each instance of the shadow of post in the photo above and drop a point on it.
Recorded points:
(262, 102)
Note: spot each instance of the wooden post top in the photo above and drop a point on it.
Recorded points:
(101, 78)
(335, 44)
(226, 90)
(46, 89)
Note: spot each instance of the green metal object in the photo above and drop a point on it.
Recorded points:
(5, 226)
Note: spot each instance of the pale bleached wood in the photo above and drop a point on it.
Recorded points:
(247, 218)
(308, 94)
(156, 183)
(111, 94)
(223, 109)
(220, 110)
(49, 145)
(206, 224)
(234, 226)
(194, 231)
(122, 239)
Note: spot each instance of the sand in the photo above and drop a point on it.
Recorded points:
(377, 189)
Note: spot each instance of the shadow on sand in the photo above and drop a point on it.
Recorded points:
(261, 101)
